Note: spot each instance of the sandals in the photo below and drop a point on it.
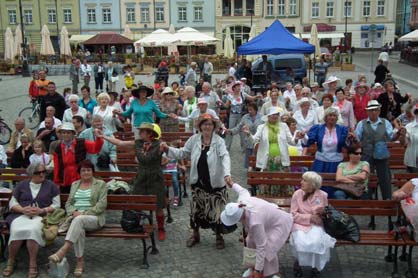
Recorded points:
(10, 268)
(220, 243)
(193, 240)
(33, 272)
(79, 269)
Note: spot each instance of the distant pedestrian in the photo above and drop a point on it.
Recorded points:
(191, 77)
(99, 74)
(86, 72)
(75, 74)
(321, 70)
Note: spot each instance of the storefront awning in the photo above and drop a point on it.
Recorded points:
(322, 36)
(76, 39)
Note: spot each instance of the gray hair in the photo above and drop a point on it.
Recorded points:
(97, 118)
(190, 89)
(331, 111)
(103, 95)
(297, 86)
(313, 178)
(73, 97)
(306, 89)
(33, 167)
(206, 84)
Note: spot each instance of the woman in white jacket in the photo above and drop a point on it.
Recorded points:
(210, 171)
(273, 139)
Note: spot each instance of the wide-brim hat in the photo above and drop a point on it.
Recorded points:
(205, 117)
(377, 85)
(272, 111)
(68, 127)
(373, 104)
(168, 90)
(148, 90)
(232, 214)
(362, 85)
(331, 79)
(153, 127)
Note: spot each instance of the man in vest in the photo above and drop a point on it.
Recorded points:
(42, 83)
(69, 153)
(374, 133)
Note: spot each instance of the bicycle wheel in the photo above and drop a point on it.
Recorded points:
(5, 133)
(31, 118)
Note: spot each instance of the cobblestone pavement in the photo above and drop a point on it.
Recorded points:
(122, 258)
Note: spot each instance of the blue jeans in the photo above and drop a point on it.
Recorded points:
(175, 183)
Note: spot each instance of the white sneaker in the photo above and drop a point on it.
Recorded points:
(275, 276)
(247, 273)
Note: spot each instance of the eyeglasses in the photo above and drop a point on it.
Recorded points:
(39, 172)
(357, 153)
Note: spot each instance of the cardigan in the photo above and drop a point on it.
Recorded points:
(317, 132)
(218, 159)
(98, 200)
(143, 113)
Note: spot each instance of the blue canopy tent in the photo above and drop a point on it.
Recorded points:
(275, 40)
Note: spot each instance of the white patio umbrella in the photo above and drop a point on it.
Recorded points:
(18, 40)
(172, 48)
(190, 36)
(412, 36)
(9, 45)
(65, 48)
(228, 45)
(253, 34)
(157, 38)
(314, 40)
(46, 44)
(127, 32)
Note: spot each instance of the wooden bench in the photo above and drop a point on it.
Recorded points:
(114, 202)
(17, 175)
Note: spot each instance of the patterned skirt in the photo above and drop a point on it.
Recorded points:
(206, 207)
(274, 164)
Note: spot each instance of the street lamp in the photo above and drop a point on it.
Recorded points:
(25, 66)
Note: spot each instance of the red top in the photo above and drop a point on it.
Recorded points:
(33, 89)
(359, 106)
(70, 166)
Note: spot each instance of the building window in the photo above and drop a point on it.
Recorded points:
(91, 15)
(238, 7)
(182, 14)
(52, 16)
(107, 15)
(130, 14)
(12, 16)
(380, 7)
(270, 7)
(145, 15)
(315, 9)
(366, 8)
(330, 9)
(198, 14)
(28, 16)
(292, 6)
(249, 7)
(348, 9)
(282, 7)
(68, 15)
(159, 14)
(226, 7)
(239, 35)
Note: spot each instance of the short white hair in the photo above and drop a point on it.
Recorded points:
(313, 178)
(190, 89)
(103, 95)
(73, 97)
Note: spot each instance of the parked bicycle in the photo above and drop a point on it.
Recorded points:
(32, 114)
(5, 132)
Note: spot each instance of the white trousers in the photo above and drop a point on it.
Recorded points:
(77, 232)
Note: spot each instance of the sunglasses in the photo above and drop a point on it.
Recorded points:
(357, 153)
(39, 172)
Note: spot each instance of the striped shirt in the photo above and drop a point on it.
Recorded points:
(82, 199)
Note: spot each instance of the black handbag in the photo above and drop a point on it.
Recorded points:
(133, 221)
(340, 225)
(103, 161)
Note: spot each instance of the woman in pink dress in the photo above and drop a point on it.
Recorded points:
(309, 242)
(268, 228)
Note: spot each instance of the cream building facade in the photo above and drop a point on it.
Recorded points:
(145, 16)
(362, 16)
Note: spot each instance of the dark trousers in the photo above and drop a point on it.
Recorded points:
(384, 176)
(99, 82)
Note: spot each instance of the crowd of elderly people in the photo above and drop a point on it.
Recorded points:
(350, 128)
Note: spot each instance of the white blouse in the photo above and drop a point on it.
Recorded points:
(43, 158)
(68, 115)
(109, 122)
(304, 124)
